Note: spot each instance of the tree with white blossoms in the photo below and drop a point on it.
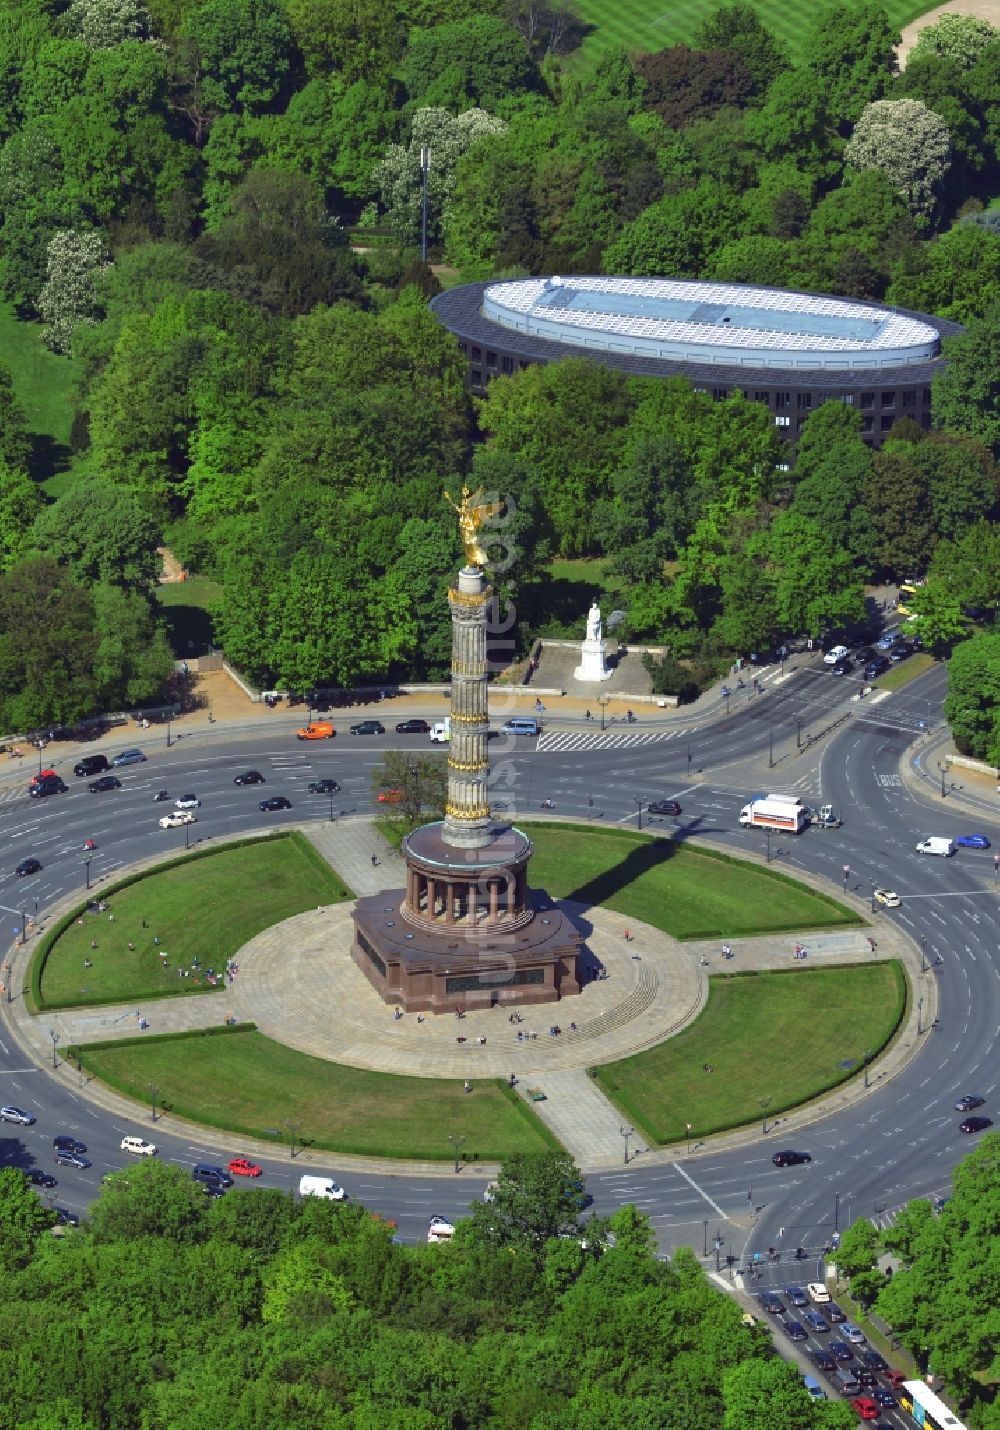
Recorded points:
(958, 38)
(399, 177)
(69, 296)
(102, 24)
(909, 143)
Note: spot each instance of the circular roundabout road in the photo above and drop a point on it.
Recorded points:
(899, 1140)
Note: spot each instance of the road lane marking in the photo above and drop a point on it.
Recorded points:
(691, 1182)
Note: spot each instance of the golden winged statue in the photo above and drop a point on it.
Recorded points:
(472, 512)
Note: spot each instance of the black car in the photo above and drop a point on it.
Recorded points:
(866, 1377)
(883, 1397)
(900, 651)
(664, 806)
(840, 1350)
(794, 1330)
(37, 1178)
(975, 1124)
(28, 866)
(865, 655)
(833, 1313)
(824, 1360)
(413, 727)
(48, 786)
(771, 1303)
(209, 1173)
(970, 1101)
(277, 801)
(73, 1159)
(790, 1159)
(65, 1218)
(876, 667)
(324, 787)
(368, 727)
(91, 765)
(65, 1143)
(105, 782)
(844, 666)
(874, 1361)
(250, 777)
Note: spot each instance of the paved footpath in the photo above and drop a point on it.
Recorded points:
(299, 985)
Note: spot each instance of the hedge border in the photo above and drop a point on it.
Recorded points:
(36, 1003)
(78, 1053)
(624, 1104)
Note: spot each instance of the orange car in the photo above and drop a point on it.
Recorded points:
(320, 731)
(390, 796)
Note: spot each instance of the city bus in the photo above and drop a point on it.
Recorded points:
(926, 1408)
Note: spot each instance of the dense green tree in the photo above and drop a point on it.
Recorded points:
(816, 586)
(969, 566)
(972, 705)
(535, 1197)
(20, 504)
(356, 39)
(851, 51)
(422, 782)
(15, 443)
(150, 1199)
(954, 276)
(738, 27)
(23, 1219)
(102, 534)
(938, 618)
(683, 85)
(47, 645)
(479, 61)
(244, 49)
(764, 1395)
(958, 38)
(797, 123)
(832, 471)
(966, 395)
(682, 234)
(896, 498)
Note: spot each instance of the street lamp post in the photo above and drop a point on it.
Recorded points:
(836, 1211)
(168, 729)
(847, 875)
(292, 1130)
(868, 1058)
(24, 927)
(689, 759)
(602, 701)
(770, 749)
(638, 806)
(923, 954)
(626, 1132)
(86, 865)
(765, 1103)
(154, 1094)
(874, 908)
(331, 806)
(55, 1043)
(187, 835)
(767, 835)
(942, 771)
(590, 807)
(704, 1226)
(798, 732)
(920, 1014)
(457, 1143)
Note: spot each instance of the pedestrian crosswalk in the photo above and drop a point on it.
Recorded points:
(629, 739)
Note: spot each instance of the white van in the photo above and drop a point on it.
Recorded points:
(138, 1146)
(324, 1187)
(936, 844)
(522, 725)
(441, 731)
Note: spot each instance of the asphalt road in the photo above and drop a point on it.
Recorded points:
(901, 1142)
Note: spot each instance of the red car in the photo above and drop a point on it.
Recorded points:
(390, 796)
(243, 1167)
(865, 1407)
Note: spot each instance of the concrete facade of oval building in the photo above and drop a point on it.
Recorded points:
(791, 351)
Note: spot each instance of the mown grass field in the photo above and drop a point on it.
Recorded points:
(636, 26)
(189, 607)
(43, 384)
(202, 911)
(252, 1086)
(775, 1038)
(685, 892)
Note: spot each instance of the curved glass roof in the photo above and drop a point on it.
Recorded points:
(722, 323)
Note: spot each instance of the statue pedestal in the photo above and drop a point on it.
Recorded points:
(593, 663)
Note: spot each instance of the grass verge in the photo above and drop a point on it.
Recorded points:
(192, 914)
(906, 671)
(688, 893)
(242, 1082)
(759, 1034)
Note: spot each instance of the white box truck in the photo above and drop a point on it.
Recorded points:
(784, 812)
(441, 731)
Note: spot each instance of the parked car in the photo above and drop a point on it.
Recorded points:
(243, 1167)
(249, 777)
(104, 783)
(28, 866)
(138, 1147)
(888, 897)
(975, 1124)
(277, 801)
(73, 1159)
(324, 787)
(664, 806)
(16, 1114)
(368, 727)
(412, 727)
(972, 841)
(37, 1178)
(187, 801)
(91, 765)
(969, 1101)
(63, 1142)
(177, 818)
(790, 1159)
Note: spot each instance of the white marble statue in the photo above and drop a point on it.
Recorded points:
(594, 623)
(593, 664)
